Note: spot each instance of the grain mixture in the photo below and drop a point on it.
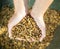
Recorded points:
(26, 29)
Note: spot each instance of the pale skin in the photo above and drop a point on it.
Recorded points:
(38, 10)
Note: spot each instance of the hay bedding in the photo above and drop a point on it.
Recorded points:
(26, 29)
